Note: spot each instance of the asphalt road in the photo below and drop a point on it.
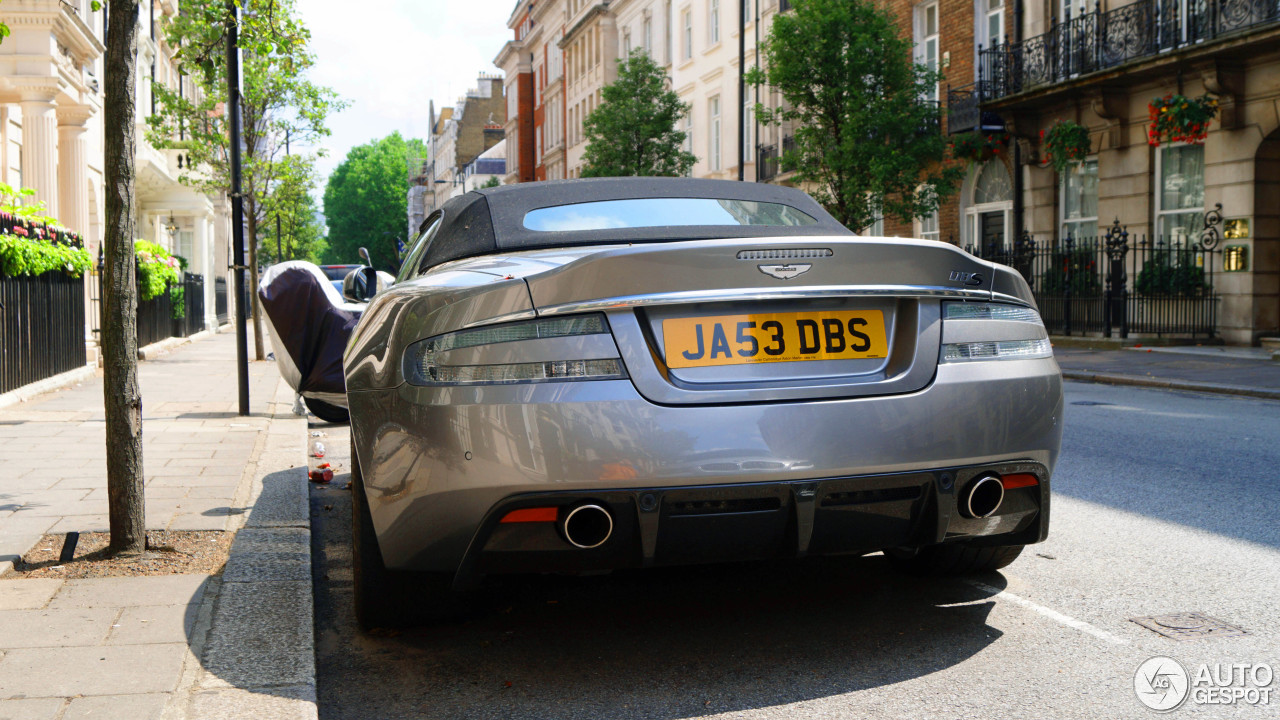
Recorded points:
(1165, 502)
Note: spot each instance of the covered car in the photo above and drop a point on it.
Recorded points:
(587, 375)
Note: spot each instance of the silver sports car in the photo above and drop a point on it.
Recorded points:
(596, 374)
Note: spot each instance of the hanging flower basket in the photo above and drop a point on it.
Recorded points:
(1177, 118)
(978, 147)
(1065, 144)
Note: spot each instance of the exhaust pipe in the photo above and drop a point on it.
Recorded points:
(982, 498)
(587, 526)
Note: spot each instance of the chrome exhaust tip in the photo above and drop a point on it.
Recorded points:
(587, 526)
(982, 498)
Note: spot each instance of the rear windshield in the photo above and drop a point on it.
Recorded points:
(663, 212)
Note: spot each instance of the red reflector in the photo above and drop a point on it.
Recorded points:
(542, 514)
(1019, 480)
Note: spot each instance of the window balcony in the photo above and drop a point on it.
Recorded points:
(965, 113)
(1096, 41)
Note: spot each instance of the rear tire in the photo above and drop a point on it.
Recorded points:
(387, 598)
(953, 558)
(327, 412)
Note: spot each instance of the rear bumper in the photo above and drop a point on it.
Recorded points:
(711, 523)
(439, 463)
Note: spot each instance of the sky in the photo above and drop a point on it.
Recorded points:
(388, 58)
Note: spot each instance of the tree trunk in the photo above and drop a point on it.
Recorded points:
(251, 238)
(122, 397)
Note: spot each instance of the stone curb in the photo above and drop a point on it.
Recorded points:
(49, 384)
(255, 656)
(1167, 384)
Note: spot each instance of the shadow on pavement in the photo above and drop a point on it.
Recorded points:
(663, 643)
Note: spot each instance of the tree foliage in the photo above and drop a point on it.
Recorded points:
(366, 201)
(301, 232)
(279, 105)
(865, 139)
(633, 131)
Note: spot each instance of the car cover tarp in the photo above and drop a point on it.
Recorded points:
(312, 322)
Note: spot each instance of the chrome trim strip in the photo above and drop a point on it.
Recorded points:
(1011, 299)
(509, 317)
(781, 293)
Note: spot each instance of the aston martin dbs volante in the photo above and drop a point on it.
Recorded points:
(587, 375)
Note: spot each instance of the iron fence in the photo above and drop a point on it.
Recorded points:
(1096, 40)
(41, 328)
(220, 307)
(1120, 284)
(160, 317)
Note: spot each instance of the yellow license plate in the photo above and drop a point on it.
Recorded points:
(774, 337)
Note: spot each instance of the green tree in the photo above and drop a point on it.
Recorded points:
(633, 131)
(366, 201)
(278, 102)
(292, 210)
(866, 141)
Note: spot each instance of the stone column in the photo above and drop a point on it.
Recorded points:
(73, 181)
(40, 146)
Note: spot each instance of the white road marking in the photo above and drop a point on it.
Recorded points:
(1050, 613)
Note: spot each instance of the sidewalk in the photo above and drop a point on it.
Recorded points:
(1228, 371)
(238, 644)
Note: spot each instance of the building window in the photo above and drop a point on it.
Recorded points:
(929, 227)
(626, 43)
(713, 151)
(989, 17)
(187, 246)
(647, 37)
(1179, 193)
(1079, 203)
(668, 51)
(688, 35)
(688, 135)
(987, 217)
(713, 22)
(927, 42)
(748, 148)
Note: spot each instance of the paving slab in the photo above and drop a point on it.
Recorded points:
(31, 709)
(131, 591)
(71, 671)
(123, 707)
(151, 624)
(70, 627)
(31, 594)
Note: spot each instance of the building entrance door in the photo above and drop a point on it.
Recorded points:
(991, 230)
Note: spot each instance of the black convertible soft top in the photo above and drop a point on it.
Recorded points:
(489, 220)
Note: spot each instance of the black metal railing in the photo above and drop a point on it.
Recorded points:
(220, 307)
(41, 328)
(768, 162)
(1096, 41)
(964, 109)
(158, 318)
(1119, 284)
(192, 320)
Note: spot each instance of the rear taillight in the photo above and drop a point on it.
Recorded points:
(542, 350)
(992, 331)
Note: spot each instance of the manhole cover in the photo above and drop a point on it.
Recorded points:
(1188, 626)
(1089, 402)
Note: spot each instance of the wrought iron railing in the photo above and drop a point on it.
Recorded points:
(768, 162)
(41, 327)
(1097, 40)
(1119, 283)
(220, 305)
